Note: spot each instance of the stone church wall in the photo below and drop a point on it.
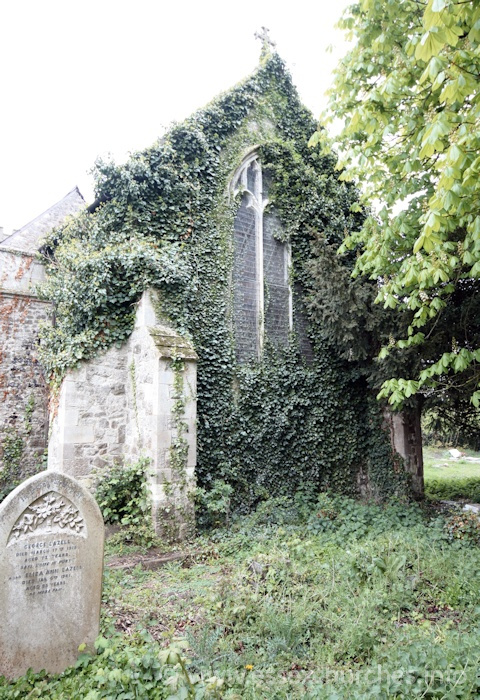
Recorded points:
(88, 418)
(122, 404)
(137, 400)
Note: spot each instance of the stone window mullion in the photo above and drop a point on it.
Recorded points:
(255, 267)
(259, 246)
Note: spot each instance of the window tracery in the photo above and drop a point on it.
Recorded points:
(261, 290)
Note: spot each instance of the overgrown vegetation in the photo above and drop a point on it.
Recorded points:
(123, 495)
(453, 422)
(164, 219)
(408, 94)
(438, 488)
(301, 599)
(451, 479)
(12, 447)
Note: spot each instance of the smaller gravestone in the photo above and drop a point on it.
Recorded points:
(51, 563)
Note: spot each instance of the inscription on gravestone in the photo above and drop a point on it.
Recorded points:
(51, 560)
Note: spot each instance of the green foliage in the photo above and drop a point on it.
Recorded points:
(342, 518)
(133, 538)
(418, 668)
(107, 272)
(289, 427)
(454, 421)
(122, 492)
(164, 220)
(464, 526)
(453, 489)
(384, 606)
(408, 91)
(122, 671)
(12, 447)
(123, 495)
(213, 506)
(450, 479)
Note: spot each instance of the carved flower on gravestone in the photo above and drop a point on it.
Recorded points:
(70, 517)
(27, 524)
(49, 507)
(50, 510)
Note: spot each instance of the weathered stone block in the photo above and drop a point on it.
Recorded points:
(118, 389)
(71, 416)
(79, 434)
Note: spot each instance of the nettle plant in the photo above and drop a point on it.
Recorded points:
(165, 219)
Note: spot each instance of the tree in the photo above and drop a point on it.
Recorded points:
(409, 94)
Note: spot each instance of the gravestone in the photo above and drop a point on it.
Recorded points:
(51, 562)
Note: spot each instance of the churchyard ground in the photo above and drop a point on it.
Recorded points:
(315, 598)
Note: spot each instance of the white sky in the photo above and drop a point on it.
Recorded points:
(89, 78)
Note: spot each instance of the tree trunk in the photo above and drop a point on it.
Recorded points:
(406, 433)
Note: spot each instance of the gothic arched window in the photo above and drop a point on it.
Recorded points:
(262, 296)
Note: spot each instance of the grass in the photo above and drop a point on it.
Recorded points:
(438, 461)
(451, 479)
(340, 600)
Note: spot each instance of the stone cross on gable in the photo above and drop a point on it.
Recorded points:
(267, 43)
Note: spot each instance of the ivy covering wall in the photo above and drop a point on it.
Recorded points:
(165, 220)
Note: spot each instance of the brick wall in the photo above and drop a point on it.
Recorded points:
(23, 391)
